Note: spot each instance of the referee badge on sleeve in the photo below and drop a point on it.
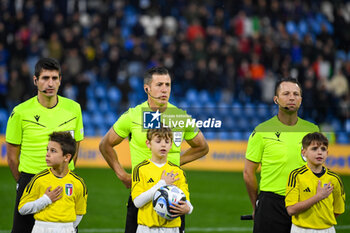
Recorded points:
(69, 189)
(177, 138)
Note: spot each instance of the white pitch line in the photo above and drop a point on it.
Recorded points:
(190, 229)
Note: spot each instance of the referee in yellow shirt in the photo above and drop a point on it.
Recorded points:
(29, 127)
(157, 85)
(275, 145)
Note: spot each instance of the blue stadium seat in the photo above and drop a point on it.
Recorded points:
(263, 112)
(207, 108)
(249, 110)
(111, 118)
(255, 121)
(210, 135)
(90, 93)
(196, 105)
(97, 119)
(237, 136)
(192, 96)
(100, 92)
(224, 135)
(103, 106)
(91, 105)
(246, 135)
(86, 118)
(135, 68)
(302, 28)
(223, 110)
(228, 123)
(291, 27)
(237, 109)
(3, 120)
(136, 83)
(203, 97)
(183, 105)
(273, 109)
(347, 125)
(114, 95)
(131, 16)
(341, 55)
(329, 27)
(101, 130)
(243, 124)
(343, 138)
(89, 131)
(336, 125)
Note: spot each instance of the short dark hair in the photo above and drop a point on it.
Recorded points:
(317, 137)
(291, 80)
(66, 141)
(162, 132)
(47, 63)
(147, 79)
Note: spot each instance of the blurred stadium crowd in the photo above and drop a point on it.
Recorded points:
(222, 53)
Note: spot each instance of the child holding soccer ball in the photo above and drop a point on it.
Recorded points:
(56, 196)
(315, 195)
(150, 175)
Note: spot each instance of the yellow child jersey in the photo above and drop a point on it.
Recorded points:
(302, 185)
(72, 203)
(30, 125)
(145, 175)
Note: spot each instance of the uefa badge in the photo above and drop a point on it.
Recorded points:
(69, 190)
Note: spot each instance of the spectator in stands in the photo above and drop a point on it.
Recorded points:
(29, 30)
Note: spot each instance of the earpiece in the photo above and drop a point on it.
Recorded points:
(276, 102)
(35, 83)
(146, 90)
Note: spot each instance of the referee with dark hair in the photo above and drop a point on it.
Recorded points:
(157, 85)
(275, 145)
(29, 127)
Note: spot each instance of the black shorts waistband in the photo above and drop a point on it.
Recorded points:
(27, 174)
(272, 195)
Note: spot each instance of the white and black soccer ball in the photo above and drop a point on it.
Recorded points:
(163, 199)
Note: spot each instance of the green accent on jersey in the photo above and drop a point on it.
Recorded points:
(30, 125)
(278, 148)
(130, 124)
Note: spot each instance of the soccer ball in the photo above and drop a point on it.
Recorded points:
(163, 199)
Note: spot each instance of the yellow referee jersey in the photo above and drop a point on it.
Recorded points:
(72, 203)
(131, 124)
(302, 185)
(145, 175)
(30, 125)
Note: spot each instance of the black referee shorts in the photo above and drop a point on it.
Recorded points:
(22, 223)
(131, 218)
(271, 215)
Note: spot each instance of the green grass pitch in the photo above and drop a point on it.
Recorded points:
(219, 198)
